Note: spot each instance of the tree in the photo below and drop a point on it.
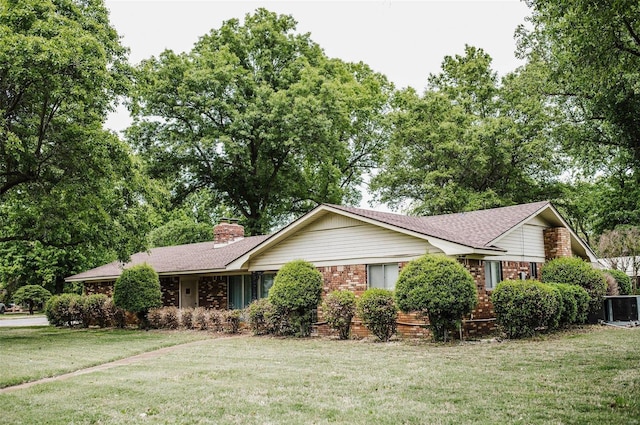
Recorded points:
(621, 248)
(138, 290)
(469, 142)
(32, 295)
(260, 117)
(439, 288)
(589, 53)
(296, 292)
(179, 232)
(70, 192)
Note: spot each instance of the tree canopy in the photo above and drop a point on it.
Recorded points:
(70, 192)
(469, 142)
(259, 116)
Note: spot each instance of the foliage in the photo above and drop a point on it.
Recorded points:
(137, 290)
(186, 318)
(259, 116)
(469, 142)
(338, 308)
(259, 314)
(63, 310)
(180, 232)
(568, 308)
(378, 312)
(201, 318)
(590, 56)
(575, 271)
(70, 191)
(612, 285)
(523, 306)
(32, 295)
(94, 311)
(170, 317)
(621, 248)
(296, 292)
(231, 321)
(438, 287)
(622, 280)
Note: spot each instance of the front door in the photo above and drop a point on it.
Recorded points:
(188, 292)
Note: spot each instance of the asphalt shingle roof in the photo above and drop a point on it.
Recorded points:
(475, 229)
(180, 258)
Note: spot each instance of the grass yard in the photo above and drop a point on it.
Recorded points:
(584, 377)
(31, 353)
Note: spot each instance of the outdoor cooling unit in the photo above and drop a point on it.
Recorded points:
(622, 308)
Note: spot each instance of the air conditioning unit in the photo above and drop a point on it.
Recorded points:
(622, 308)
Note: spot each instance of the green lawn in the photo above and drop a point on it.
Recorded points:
(584, 377)
(31, 353)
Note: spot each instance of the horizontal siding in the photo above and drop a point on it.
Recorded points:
(340, 239)
(523, 244)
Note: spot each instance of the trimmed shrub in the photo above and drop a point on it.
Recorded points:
(622, 279)
(582, 302)
(138, 290)
(69, 309)
(258, 314)
(439, 288)
(170, 317)
(155, 318)
(378, 311)
(92, 310)
(612, 285)
(524, 306)
(575, 271)
(52, 311)
(296, 292)
(568, 311)
(339, 307)
(31, 295)
(115, 315)
(231, 321)
(186, 318)
(215, 320)
(201, 318)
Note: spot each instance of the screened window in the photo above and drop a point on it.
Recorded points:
(492, 274)
(266, 282)
(382, 276)
(533, 270)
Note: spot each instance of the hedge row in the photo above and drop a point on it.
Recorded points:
(84, 311)
(200, 318)
(523, 307)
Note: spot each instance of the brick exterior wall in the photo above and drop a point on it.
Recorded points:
(212, 292)
(557, 243)
(170, 287)
(106, 288)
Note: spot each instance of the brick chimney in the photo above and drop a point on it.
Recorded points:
(557, 243)
(227, 231)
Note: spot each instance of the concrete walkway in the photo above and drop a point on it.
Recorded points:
(110, 365)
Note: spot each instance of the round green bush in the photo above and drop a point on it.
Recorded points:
(259, 314)
(438, 287)
(296, 292)
(378, 311)
(138, 290)
(64, 310)
(523, 306)
(31, 295)
(622, 279)
(582, 303)
(568, 311)
(339, 307)
(575, 271)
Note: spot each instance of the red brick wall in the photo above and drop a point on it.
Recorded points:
(170, 287)
(557, 243)
(212, 292)
(227, 232)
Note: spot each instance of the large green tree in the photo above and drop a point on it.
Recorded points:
(70, 192)
(471, 141)
(259, 116)
(590, 54)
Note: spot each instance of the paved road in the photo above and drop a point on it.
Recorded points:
(27, 321)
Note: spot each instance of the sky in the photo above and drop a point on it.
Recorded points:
(405, 40)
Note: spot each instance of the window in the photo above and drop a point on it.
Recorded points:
(239, 291)
(533, 270)
(266, 282)
(382, 275)
(492, 274)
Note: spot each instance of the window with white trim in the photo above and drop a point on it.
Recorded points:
(382, 276)
(492, 274)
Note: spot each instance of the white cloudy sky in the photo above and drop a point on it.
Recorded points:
(405, 40)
